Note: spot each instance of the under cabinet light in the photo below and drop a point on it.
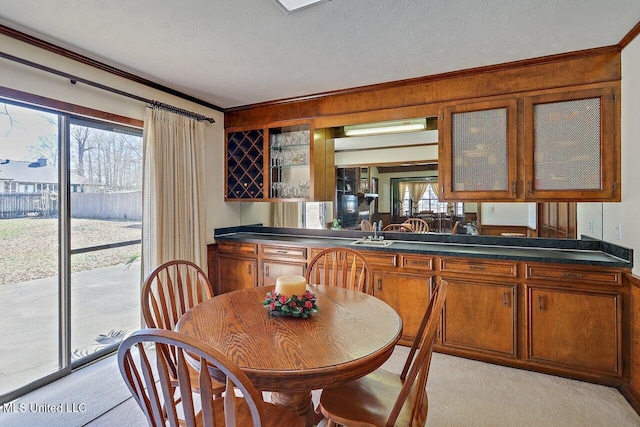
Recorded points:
(290, 6)
(386, 127)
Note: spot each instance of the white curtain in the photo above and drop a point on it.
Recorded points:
(173, 224)
(285, 214)
(416, 190)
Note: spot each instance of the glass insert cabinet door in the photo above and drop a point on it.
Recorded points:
(290, 162)
(479, 151)
(570, 142)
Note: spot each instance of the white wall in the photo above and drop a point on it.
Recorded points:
(507, 213)
(33, 81)
(626, 212)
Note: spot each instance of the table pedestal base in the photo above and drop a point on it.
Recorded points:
(299, 403)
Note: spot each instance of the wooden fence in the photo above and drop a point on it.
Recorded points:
(18, 205)
(122, 205)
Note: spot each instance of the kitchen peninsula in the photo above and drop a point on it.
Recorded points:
(554, 306)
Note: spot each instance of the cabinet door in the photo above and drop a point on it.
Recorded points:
(478, 156)
(408, 294)
(575, 329)
(571, 146)
(236, 273)
(480, 317)
(301, 163)
(272, 269)
(245, 165)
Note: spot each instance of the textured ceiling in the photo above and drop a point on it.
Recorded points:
(238, 52)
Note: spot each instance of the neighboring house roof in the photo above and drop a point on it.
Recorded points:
(38, 172)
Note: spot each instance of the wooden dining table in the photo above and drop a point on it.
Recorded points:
(350, 335)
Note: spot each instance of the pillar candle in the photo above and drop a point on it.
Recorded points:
(290, 284)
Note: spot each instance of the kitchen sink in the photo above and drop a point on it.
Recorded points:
(375, 243)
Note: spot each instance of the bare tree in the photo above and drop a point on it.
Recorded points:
(80, 141)
(48, 148)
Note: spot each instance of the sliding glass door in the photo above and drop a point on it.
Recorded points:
(106, 231)
(29, 249)
(70, 232)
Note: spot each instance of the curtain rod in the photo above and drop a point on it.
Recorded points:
(75, 79)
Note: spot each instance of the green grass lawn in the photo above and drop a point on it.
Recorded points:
(29, 246)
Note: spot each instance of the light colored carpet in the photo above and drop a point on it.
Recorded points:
(461, 393)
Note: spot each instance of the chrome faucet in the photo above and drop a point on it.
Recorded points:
(377, 227)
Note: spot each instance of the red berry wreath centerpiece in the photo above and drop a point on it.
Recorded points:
(291, 298)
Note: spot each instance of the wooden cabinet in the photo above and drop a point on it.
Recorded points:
(237, 266)
(279, 162)
(563, 319)
(480, 316)
(539, 146)
(478, 152)
(571, 147)
(408, 294)
(278, 260)
(575, 330)
(236, 273)
(245, 164)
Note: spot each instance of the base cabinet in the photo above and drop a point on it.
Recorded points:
(480, 317)
(409, 295)
(236, 273)
(272, 269)
(563, 319)
(575, 329)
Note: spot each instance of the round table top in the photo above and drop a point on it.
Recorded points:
(351, 335)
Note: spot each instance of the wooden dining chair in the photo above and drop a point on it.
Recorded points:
(383, 398)
(418, 225)
(170, 290)
(398, 228)
(342, 267)
(148, 370)
(365, 225)
(454, 229)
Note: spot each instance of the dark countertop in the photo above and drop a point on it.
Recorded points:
(590, 252)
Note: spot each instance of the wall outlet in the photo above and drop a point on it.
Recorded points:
(619, 231)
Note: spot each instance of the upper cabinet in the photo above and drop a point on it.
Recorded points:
(557, 145)
(282, 162)
(478, 151)
(570, 146)
(245, 165)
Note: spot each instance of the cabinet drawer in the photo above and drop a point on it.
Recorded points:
(283, 251)
(238, 247)
(582, 275)
(483, 267)
(416, 262)
(381, 259)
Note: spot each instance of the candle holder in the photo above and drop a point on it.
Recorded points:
(293, 306)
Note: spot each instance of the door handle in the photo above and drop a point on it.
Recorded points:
(539, 303)
(266, 271)
(504, 298)
(379, 284)
(249, 268)
(513, 187)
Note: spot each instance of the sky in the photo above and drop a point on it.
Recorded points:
(27, 128)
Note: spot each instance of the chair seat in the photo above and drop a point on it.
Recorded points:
(273, 415)
(369, 401)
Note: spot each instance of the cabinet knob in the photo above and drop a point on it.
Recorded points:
(539, 303)
(513, 187)
(266, 271)
(379, 284)
(528, 188)
(504, 298)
